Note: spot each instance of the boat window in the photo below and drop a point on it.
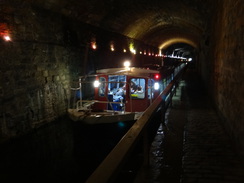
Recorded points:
(137, 88)
(115, 82)
(102, 80)
(150, 88)
(116, 91)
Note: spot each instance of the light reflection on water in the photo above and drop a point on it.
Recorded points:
(121, 124)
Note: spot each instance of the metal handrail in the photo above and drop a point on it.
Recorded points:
(112, 164)
(79, 104)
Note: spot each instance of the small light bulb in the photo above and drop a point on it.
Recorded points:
(156, 86)
(7, 38)
(96, 83)
(127, 63)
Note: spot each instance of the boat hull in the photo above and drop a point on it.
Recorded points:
(87, 117)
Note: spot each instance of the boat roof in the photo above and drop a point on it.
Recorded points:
(133, 71)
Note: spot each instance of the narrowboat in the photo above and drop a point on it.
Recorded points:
(118, 94)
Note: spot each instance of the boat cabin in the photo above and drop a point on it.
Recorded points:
(130, 90)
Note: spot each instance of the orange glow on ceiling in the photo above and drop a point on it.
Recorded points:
(171, 41)
(3, 27)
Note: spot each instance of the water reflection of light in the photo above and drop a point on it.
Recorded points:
(121, 124)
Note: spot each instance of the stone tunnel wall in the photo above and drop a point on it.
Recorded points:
(35, 69)
(226, 65)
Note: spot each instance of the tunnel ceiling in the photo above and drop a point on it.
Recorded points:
(160, 23)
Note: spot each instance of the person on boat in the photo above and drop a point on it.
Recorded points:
(139, 93)
(139, 89)
(119, 95)
(133, 87)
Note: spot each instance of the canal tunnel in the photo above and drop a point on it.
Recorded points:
(46, 45)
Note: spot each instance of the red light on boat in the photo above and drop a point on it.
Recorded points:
(156, 76)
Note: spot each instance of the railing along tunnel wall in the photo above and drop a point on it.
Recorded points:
(111, 166)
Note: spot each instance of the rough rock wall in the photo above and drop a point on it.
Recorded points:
(228, 68)
(36, 67)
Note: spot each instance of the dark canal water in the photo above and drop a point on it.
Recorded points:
(64, 151)
(94, 142)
